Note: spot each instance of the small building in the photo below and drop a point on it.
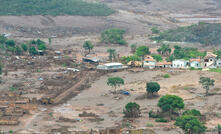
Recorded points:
(180, 63)
(91, 60)
(218, 63)
(210, 60)
(164, 64)
(195, 63)
(135, 64)
(111, 66)
(41, 52)
(149, 62)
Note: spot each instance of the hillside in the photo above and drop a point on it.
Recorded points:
(53, 7)
(204, 33)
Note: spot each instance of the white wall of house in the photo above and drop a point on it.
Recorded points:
(149, 64)
(218, 63)
(195, 64)
(180, 64)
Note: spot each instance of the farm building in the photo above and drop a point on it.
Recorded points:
(111, 66)
(210, 60)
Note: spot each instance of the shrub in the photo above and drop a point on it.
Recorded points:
(161, 120)
(166, 76)
(152, 115)
(149, 124)
(193, 112)
(33, 51)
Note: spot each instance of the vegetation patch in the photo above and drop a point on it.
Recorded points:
(53, 7)
(204, 33)
(218, 70)
(114, 36)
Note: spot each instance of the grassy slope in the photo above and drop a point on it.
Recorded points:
(203, 33)
(53, 7)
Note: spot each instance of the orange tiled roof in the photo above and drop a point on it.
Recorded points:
(163, 63)
(191, 60)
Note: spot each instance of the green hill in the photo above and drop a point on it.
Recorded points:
(204, 33)
(53, 7)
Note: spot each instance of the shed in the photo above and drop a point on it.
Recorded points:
(195, 63)
(110, 66)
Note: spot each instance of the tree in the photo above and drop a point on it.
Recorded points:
(24, 47)
(1, 68)
(133, 48)
(33, 51)
(3, 39)
(170, 103)
(164, 50)
(219, 129)
(126, 59)
(192, 112)
(115, 82)
(152, 87)
(142, 51)
(42, 46)
(18, 50)
(157, 57)
(112, 54)
(88, 46)
(155, 30)
(206, 82)
(114, 36)
(10, 43)
(190, 124)
(170, 58)
(132, 110)
(49, 40)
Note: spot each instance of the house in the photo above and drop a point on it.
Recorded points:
(149, 62)
(111, 66)
(195, 63)
(180, 63)
(91, 60)
(164, 64)
(135, 63)
(218, 63)
(210, 60)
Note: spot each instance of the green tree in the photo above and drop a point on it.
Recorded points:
(24, 47)
(133, 48)
(3, 39)
(206, 82)
(193, 112)
(33, 51)
(152, 87)
(1, 68)
(190, 124)
(10, 43)
(142, 51)
(126, 59)
(112, 54)
(18, 50)
(155, 30)
(42, 46)
(219, 129)
(132, 110)
(114, 36)
(170, 103)
(157, 57)
(170, 58)
(115, 82)
(88, 46)
(164, 50)
(49, 40)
